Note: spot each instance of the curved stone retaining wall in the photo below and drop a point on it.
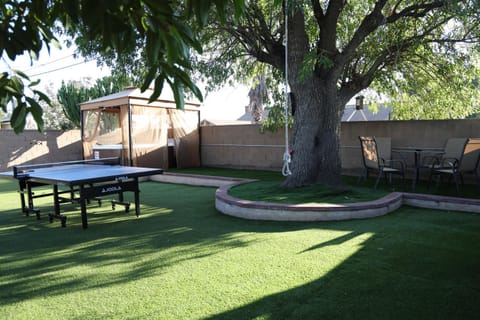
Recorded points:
(258, 210)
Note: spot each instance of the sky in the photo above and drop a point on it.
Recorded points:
(60, 64)
(52, 68)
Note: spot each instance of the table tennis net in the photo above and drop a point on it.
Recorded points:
(23, 170)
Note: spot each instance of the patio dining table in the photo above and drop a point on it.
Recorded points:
(418, 153)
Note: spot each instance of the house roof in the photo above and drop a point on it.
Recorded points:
(248, 117)
(352, 114)
(216, 122)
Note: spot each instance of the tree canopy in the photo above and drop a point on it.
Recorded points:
(420, 55)
(114, 27)
(408, 49)
(452, 93)
(413, 82)
(413, 51)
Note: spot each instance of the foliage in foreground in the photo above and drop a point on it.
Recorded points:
(166, 26)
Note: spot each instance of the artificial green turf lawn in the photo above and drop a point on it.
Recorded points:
(268, 188)
(182, 259)
(270, 191)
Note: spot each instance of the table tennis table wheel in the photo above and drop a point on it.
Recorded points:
(64, 221)
(126, 204)
(28, 210)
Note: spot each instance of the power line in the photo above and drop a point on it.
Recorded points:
(58, 69)
(48, 63)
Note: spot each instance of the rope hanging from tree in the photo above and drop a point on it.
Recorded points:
(286, 155)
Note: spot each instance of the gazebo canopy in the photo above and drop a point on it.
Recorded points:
(150, 134)
(133, 96)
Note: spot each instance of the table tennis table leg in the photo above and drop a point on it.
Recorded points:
(83, 207)
(416, 178)
(56, 208)
(121, 202)
(56, 200)
(30, 197)
(27, 207)
(31, 207)
(120, 197)
(21, 191)
(137, 198)
(136, 191)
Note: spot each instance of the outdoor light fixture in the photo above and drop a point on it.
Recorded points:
(359, 102)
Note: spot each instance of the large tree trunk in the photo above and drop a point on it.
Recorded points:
(316, 134)
(316, 128)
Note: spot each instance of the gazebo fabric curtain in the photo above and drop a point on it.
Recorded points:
(150, 128)
(184, 126)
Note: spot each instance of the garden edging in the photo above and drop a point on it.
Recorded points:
(259, 210)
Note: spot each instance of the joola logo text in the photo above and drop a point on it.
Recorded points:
(112, 189)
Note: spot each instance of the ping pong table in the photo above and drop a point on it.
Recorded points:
(83, 180)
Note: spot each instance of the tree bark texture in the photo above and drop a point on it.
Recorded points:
(316, 130)
(316, 136)
(331, 58)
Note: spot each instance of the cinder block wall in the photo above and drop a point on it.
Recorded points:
(243, 146)
(34, 147)
(422, 133)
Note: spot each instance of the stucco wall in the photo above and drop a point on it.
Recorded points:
(432, 133)
(34, 147)
(243, 146)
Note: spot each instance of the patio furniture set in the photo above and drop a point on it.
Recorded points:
(459, 156)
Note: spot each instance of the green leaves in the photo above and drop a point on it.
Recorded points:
(70, 98)
(202, 8)
(70, 95)
(177, 78)
(19, 116)
(161, 31)
(438, 86)
(24, 27)
(37, 112)
(164, 33)
(23, 99)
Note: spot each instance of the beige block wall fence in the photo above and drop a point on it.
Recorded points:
(243, 146)
(33, 147)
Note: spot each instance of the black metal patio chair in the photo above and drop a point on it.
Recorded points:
(467, 163)
(376, 155)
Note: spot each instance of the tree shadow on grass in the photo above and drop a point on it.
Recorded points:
(418, 264)
(410, 264)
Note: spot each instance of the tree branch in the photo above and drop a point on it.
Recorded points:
(371, 22)
(416, 10)
(256, 36)
(376, 19)
(328, 26)
(318, 12)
